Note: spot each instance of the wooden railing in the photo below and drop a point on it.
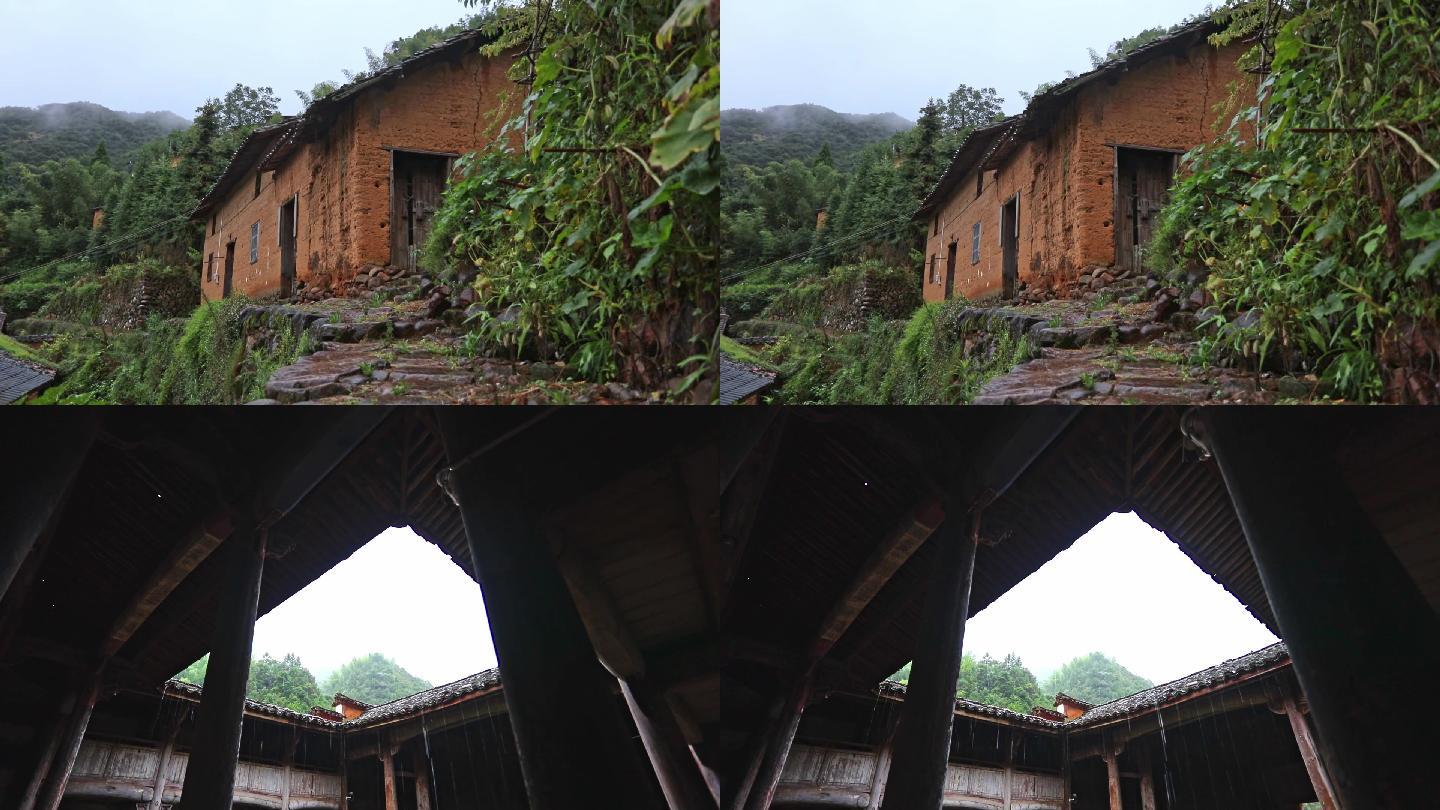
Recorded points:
(125, 772)
(828, 777)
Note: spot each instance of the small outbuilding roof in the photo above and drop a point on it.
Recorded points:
(19, 378)
(1222, 674)
(739, 381)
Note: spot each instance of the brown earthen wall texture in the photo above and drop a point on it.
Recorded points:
(343, 178)
(1065, 176)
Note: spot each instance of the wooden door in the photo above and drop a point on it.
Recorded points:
(1143, 178)
(419, 182)
(229, 269)
(950, 270)
(288, 222)
(1010, 246)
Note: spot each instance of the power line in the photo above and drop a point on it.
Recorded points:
(817, 249)
(130, 237)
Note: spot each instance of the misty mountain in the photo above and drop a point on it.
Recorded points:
(757, 137)
(60, 131)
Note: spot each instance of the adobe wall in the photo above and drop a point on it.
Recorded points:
(1065, 177)
(343, 179)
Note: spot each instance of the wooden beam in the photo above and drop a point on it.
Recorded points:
(777, 741)
(298, 470)
(54, 791)
(893, 552)
(55, 454)
(670, 757)
(1319, 780)
(608, 632)
(741, 501)
(182, 560)
(922, 739)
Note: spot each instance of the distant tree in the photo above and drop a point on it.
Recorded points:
(248, 107)
(283, 682)
(102, 154)
(825, 158)
(1005, 683)
(1095, 678)
(923, 160)
(374, 679)
(195, 673)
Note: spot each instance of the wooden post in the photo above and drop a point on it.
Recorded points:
(922, 739)
(573, 740)
(882, 772)
(1065, 768)
(1147, 777)
(1112, 776)
(288, 767)
(54, 790)
(422, 780)
(167, 750)
(387, 763)
(670, 757)
(210, 774)
(1010, 767)
(780, 737)
(1360, 633)
(47, 755)
(1318, 778)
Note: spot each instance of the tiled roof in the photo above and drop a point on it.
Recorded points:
(429, 699)
(395, 709)
(1218, 675)
(18, 378)
(1210, 677)
(895, 689)
(738, 381)
(1061, 697)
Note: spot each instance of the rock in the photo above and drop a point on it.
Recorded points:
(1295, 387)
(1165, 306)
(1153, 330)
(511, 314)
(1198, 298)
(541, 371)
(1183, 321)
(438, 303)
(1152, 288)
(264, 402)
(466, 297)
(617, 391)
(467, 275)
(426, 326)
(403, 329)
(373, 283)
(1129, 333)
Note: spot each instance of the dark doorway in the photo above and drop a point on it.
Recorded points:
(1142, 185)
(1010, 246)
(419, 180)
(950, 271)
(289, 213)
(229, 269)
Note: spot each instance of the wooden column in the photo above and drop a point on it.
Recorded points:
(1318, 778)
(1065, 768)
(779, 737)
(387, 763)
(1147, 777)
(1359, 632)
(210, 774)
(574, 742)
(670, 756)
(1010, 767)
(922, 739)
(422, 780)
(167, 750)
(47, 754)
(54, 790)
(288, 767)
(882, 772)
(1112, 776)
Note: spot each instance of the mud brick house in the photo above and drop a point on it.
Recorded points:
(1076, 180)
(356, 179)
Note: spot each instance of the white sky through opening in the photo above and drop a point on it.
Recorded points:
(399, 596)
(1128, 591)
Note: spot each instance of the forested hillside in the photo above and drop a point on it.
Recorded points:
(799, 131)
(64, 131)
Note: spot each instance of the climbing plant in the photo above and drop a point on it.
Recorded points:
(1315, 219)
(594, 226)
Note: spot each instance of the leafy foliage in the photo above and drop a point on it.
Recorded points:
(595, 239)
(1320, 237)
(757, 138)
(1095, 678)
(374, 679)
(195, 673)
(1006, 683)
(283, 682)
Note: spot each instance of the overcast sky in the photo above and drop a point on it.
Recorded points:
(1123, 589)
(148, 55)
(398, 595)
(1126, 590)
(863, 56)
